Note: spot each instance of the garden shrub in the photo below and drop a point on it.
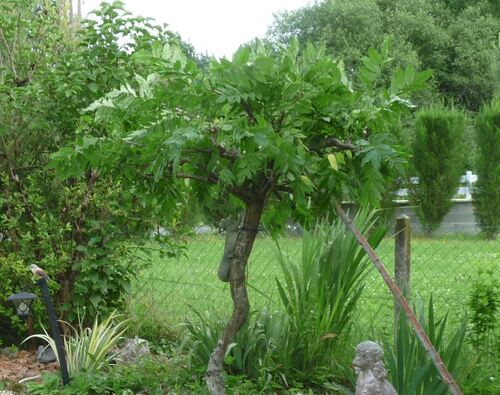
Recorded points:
(90, 348)
(484, 334)
(84, 231)
(487, 189)
(438, 152)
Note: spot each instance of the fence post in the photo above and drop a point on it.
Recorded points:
(402, 257)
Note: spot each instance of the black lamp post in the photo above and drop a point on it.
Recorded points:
(23, 302)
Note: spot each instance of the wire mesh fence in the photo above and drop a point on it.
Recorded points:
(444, 266)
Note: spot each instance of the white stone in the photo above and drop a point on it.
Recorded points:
(132, 351)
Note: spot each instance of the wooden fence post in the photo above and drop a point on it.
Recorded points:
(402, 258)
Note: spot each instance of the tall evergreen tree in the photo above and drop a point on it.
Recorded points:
(438, 152)
(487, 192)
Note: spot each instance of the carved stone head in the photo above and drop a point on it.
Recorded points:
(368, 353)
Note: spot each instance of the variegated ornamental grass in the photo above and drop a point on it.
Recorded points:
(90, 348)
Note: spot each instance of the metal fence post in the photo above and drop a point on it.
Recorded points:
(402, 257)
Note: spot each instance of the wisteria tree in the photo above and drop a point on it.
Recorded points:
(280, 133)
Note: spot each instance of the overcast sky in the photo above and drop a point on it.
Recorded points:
(217, 27)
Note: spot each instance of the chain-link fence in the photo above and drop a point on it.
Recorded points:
(444, 266)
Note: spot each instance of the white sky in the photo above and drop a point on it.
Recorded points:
(217, 27)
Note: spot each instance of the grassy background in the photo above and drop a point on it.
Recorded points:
(445, 267)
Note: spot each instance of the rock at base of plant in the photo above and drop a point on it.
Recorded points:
(46, 355)
(132, 351)
(370, 370)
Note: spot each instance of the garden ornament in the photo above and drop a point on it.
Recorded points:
(370, 370)
(46, 354)
(231, 225)
(38, 271)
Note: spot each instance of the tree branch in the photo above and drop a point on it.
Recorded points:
(249, 110)
(223, 152)
(9, 55)
(213, 179)
(333, 142)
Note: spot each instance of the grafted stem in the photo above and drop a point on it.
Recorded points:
(241, 307)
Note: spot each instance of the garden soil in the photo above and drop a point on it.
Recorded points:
(15, 366)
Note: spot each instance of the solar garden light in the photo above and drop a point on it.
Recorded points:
(23, 302)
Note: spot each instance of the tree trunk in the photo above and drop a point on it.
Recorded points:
(241, 307)
(68, 277)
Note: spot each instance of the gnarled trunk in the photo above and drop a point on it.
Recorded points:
(241, 307)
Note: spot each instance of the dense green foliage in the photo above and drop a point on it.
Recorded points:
(112, 128)
(487, 189)
(153, 376)
(438, 157)
(79, 229)
(453, 38)
(484, 303)
(264, 125)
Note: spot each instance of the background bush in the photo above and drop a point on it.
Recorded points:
(80, 230)
(438, 152)
(487, 188)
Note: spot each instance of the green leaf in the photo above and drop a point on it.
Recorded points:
(333, 162)
(260, 139)
(386, 45)
(242, 55)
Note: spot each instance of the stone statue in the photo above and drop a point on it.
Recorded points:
(370, 370)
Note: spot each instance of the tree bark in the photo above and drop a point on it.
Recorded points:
(241, 307)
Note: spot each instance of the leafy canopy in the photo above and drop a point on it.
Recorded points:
(282, 126)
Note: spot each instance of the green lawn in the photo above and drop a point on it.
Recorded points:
(445, 267)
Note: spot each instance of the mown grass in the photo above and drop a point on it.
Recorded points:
(446, 267)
